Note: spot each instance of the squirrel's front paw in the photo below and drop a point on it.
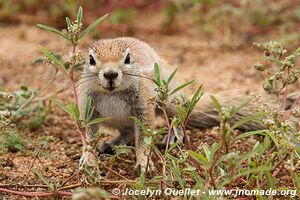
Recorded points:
(140, 166)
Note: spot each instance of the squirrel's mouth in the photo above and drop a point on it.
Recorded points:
(110, 86)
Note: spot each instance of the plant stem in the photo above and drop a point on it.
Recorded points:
(187, 138)
(169, 127)
(72, 77)
(35, 158)
(36, 194)
(285, 92)
(69, 186)
(72, 74)
(64, 183)
(116, 173)
(277, 169)
(212, 178)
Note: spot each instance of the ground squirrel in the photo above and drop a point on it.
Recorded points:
(116, 78)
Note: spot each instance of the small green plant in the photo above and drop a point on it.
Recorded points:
(12, 142)
(184, 107)
(215, 166)
(74, 35)
(227, 125)
(18, 106)
(283, 71)
(9, 138)
(282, 121)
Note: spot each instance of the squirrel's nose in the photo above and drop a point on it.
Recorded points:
(110, 75)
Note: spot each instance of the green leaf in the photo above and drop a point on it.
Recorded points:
(247, 119)
(171, 157)
(274, 138)
(103, 194)
(246, 156)
(24, 87)
(181, 113)
(79, 14)
(142, 179)
(88, 111)
(297, 51)
(148, 140)
(51, 29)
(92, 26)
(156, 75)
(254, 170)
(181, 87)
(271, 180)
(172, 76)
(145, 129)
(61, 105)
(207, 153)
(39, 174)
(195, 99)
(236, 110)
(247, 134)
(74, 110)
(177, 171)
(216, 104)
(164, 82)
(199, 157)
(68, 21)
(52, 57)
(97, 121)
(157, 151)
(199, 182)
(214, 148)
(296, 179)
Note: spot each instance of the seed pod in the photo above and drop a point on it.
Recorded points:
(267, 87)
(259, 67)
(267, 53)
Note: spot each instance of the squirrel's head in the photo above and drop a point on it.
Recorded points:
(109, 62)
(117, 64)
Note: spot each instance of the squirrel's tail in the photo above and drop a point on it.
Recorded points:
(205, 115)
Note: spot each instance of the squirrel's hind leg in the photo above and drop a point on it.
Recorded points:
(126, 136)
(176, 136)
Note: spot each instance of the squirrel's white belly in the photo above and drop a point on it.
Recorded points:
(116, 108)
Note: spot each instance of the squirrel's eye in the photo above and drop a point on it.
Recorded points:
(127, 59)
(92, 60)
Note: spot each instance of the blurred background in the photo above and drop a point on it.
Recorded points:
(226, 20)
(213, 38)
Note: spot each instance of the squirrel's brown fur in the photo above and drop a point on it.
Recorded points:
(117, 79)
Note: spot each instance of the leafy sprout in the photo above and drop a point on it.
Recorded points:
(74, 33)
